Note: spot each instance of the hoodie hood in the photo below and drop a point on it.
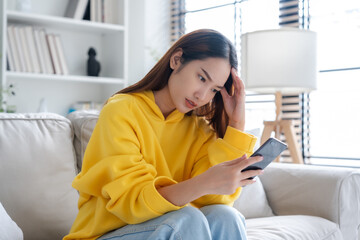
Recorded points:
(147, 100)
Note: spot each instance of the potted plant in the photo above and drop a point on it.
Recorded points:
(4, 93)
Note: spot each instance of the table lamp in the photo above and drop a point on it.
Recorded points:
(280, 61)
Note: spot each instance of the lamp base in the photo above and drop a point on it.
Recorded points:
(286, 127)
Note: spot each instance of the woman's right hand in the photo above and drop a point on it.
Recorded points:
(226, 177)
(221, 179)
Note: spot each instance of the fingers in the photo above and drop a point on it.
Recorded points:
(247, 175)
(238, 83)
(237, 160)
(225, 95)
(244, 162)
(249, 161)
(246, 182)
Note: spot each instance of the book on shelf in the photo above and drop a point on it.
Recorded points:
(76, 9)
(28, 50)
(87, 12)
(108, 9)
(19, 48)
(7, 63)
(53, 54)
(39, 50)
(25, 49)
(34, 59)
(46, 52)
(93, 10)
(12, 45)
(61, 55)
(102, 10)
(9, 57)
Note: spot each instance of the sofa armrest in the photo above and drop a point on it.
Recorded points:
(329, 192)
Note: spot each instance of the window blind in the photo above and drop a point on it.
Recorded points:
(295, 107)
(177, 19)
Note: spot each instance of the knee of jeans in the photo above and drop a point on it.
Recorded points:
(193, 215)
(222, 212)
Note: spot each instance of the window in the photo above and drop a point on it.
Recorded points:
(331, 131)
(335, 106)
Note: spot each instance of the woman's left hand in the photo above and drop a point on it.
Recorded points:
(235, 104)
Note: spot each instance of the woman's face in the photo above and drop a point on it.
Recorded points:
(195, 84)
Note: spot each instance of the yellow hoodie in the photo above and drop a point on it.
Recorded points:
(133, 150)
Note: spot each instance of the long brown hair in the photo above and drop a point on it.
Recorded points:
(196, 45)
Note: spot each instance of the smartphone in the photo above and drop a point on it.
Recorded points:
(270, 150)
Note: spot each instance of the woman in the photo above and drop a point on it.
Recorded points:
(165, 158)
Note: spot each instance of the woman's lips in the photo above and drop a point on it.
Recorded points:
(189, 103)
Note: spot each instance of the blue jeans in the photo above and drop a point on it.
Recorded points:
(217, 222)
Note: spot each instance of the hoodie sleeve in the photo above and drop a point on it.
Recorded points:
(115, 178)
(234, 145)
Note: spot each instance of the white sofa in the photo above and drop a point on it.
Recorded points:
(40, 154)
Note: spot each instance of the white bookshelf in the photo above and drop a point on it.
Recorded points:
(70, 78)
(77, 36)
(63, 23)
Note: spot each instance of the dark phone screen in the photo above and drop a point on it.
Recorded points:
(271, 149)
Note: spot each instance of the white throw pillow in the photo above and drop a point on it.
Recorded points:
(252, 202)
(8, 228)
(83, 122)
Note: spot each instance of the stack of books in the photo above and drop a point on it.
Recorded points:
(35, 51)
(93, 10)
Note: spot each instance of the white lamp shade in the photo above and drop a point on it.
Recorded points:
(279, 60)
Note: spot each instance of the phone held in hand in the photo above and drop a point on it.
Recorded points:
(270, 150)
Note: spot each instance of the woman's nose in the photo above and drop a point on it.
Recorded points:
(200, 94)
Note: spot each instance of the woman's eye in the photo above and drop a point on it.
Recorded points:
(202, 78)
(215, 91)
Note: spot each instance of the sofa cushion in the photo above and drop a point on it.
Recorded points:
(84, 123)
(329, 192)
(292, 227)
(37, 166)
(8, 228)
(252, 202)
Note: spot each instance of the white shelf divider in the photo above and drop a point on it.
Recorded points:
(69, 78)
(63, 23)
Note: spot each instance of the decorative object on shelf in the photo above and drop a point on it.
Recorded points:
(23, 5)
(4, 94)
(85, 105)
(280, 61)
(93, 66)
(43, 105)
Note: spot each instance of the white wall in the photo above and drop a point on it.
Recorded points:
(157, 30)
(149, 35)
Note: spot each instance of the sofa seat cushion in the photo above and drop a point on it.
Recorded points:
(37, 167)
(292, 227)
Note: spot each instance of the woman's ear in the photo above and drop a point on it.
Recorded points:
(175, 60)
